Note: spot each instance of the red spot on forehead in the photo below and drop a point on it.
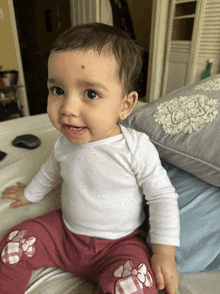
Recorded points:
(82, 66)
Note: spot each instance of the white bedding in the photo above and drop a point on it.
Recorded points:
(21, 165)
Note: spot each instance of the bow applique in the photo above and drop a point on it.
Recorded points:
(18, 236)
(141, 273)
(18, 245)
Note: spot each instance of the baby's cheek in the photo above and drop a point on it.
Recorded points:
(53, 113)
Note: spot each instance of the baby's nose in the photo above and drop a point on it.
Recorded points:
(76, 98)
(71, 105)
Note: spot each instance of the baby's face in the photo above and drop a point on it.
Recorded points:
(85, 95)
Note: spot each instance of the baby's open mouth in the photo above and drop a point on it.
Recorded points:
(75, 128)
(75, 131)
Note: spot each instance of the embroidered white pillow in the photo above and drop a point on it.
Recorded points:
(185, 128)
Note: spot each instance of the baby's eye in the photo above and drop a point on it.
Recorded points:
(90, 94)
(56, 91)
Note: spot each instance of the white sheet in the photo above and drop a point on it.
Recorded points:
(21, 165)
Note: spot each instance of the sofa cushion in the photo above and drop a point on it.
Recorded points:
(185, 128)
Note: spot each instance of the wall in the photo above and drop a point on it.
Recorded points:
(141, 11)
(7, 49)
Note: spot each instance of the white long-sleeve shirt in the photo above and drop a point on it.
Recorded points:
(104, 184)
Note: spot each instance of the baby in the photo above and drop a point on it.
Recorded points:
(107, 172)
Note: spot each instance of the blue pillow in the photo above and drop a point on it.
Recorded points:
(199, 205)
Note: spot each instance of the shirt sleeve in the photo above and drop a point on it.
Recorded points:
(159, 194)
(44, 181)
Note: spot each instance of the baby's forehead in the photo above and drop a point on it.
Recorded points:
(87, 56)
(105, 52)
(87, 62)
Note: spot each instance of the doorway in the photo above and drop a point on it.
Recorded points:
(39, 23)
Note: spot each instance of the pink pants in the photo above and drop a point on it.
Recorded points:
(119, 266)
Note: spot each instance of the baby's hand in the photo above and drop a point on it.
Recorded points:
(165, 272)
(16, 193)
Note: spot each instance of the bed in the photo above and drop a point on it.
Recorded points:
(184, 126)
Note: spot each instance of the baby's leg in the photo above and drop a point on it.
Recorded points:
(31, 245)
(126, 269)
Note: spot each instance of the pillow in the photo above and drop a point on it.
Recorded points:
(199, 206)
(185, 128)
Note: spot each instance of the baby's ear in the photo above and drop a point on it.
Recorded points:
(129, 102)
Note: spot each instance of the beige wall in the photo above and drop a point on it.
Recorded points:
(141, 11)
(7, 49)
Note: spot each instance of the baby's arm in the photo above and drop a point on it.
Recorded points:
(163, 211)
(16, 193)
(164, 267)
(43, 182)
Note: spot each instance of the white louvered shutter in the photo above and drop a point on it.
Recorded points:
(208, 39)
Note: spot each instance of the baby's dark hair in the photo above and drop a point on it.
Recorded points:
(100, 37)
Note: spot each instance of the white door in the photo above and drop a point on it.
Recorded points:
(159, 25)
(87, 11)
